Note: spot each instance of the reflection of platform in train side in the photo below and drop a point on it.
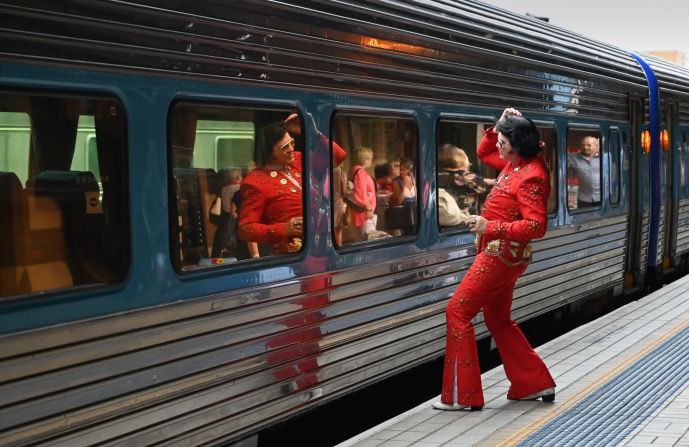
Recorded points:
(622, 380)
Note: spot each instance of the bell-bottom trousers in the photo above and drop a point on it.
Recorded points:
(488, 285)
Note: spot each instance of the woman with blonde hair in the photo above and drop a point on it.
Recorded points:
(364, 192)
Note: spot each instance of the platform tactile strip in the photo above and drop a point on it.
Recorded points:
(609, 414)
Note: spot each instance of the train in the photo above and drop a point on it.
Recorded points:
(117, 119)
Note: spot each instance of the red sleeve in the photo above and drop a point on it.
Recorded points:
(487, 150)
(532, 200)
(251, 228)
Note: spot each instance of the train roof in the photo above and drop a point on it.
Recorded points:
(464, 51)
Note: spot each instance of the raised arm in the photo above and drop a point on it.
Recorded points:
(487, 150)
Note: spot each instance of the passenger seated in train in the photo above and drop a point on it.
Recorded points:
(449, 212)
(390, 171)
(271, 196)
(585, 167)
(464, 185)
(401, 215)
(404, 185)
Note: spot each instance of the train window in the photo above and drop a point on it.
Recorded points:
(615, 176)
(63, 192)
(549, 137)
(375, 188)
(225, 209)
(461, 185)
(583, 169)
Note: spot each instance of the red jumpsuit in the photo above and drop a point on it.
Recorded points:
(516, 210)
(269, 198)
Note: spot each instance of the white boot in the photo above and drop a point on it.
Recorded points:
(548, 395)
(454, 407)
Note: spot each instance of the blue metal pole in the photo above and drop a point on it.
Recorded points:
(654, 118)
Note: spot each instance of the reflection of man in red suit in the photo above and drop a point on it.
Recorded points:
(271, 197)
(515, 212)
(293, 351)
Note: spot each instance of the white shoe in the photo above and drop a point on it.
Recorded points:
(548, 395)
(454, 407)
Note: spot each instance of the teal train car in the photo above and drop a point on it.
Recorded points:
(122, 322)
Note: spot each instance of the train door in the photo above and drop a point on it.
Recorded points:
(682, 238)
(635, 259)
(669, 145)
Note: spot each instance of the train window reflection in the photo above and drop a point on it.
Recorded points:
(63, 193)
(375, 188)
(583, 169)
(237, 188)
(462, 185)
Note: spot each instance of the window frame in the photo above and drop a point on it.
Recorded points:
(192, 272)
(555, 168)
(488, 121)
(375, 113)
(126, 228)
(584, 127)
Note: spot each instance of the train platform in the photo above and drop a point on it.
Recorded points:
(622, 380)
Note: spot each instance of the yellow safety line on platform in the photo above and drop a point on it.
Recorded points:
(520, 435)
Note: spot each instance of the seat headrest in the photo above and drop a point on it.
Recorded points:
(56, 182)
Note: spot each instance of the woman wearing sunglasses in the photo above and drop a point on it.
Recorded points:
(515, 212)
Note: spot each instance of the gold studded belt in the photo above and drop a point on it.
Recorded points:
(511, 253)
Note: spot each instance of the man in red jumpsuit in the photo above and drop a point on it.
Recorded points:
(515, 212)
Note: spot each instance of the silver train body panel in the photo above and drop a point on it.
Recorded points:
(233, 360)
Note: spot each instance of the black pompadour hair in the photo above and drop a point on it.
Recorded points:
(522, 134)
